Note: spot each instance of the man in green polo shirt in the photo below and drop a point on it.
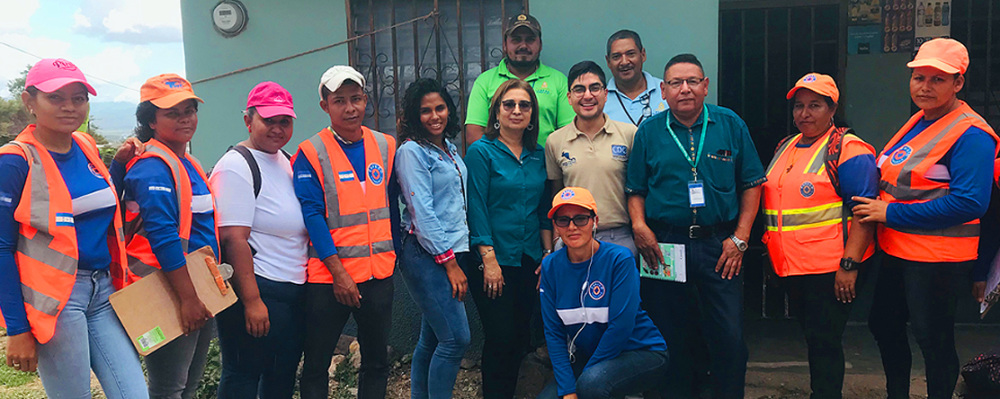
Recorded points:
(522, 45)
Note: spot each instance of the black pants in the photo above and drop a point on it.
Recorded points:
(506, 324)
(325, 319)
(823, 318)
(925, 295)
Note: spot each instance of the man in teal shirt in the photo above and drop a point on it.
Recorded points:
(694, 178)
(522, 45)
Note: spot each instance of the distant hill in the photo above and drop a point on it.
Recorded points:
(115, 120)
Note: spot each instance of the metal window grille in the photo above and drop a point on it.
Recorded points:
(461, 40)
(976, 23)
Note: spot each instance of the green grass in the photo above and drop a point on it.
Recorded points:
(11, 378)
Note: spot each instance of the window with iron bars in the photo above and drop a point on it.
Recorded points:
(456, 42)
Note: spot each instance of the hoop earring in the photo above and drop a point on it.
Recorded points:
(530, 126)
(496, 125)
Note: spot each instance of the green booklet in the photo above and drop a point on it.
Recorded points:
(674, 267)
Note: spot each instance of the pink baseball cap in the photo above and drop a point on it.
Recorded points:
(270, 99)
(52, 74)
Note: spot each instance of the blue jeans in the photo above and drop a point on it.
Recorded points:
(632, 372)
(444, 327)
(89, 336)
(265, 365)
(674, 308)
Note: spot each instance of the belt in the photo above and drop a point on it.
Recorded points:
(694, 231)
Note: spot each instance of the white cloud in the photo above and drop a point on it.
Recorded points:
(17, 15)
(131, 21)
(80, 20)
(14, 62)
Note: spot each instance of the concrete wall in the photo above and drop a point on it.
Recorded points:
(876, 95)
(274, 30)
(574, 31)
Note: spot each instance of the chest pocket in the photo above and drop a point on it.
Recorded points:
(720, 169)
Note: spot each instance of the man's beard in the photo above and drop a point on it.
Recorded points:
(522, 64)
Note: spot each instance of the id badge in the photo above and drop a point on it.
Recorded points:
(696, 194)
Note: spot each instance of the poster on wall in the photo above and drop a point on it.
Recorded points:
(864, 39)
(898, 20)
(933, 19)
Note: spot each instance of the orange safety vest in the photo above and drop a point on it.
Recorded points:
(903, 181)
(141, 260)
(47, 253)
(803, 214)
(358, 217)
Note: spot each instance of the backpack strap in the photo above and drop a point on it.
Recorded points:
(254, 168)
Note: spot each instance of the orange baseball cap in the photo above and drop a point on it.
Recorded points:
(573, 196)
(166, 90)
(818, 83)
(945, 55)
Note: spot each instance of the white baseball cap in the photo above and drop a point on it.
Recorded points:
(335, 77)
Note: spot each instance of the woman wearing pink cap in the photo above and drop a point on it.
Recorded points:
(814, 245)
(169, 210)
(264, 237)
(54, 281)
(936, 176)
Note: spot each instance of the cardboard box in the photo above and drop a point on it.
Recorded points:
(150, 311)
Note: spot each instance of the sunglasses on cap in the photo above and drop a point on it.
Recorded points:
(508, 105)
(578, 220)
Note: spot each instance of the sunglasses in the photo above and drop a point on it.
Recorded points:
(578, 220)
(508, 105)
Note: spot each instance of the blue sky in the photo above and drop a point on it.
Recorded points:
(115, 42)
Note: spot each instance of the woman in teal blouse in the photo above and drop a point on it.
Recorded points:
(508, 226)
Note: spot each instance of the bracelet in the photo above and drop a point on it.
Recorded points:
(546, 252)
(481, 254)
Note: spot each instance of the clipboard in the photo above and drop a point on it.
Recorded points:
(150, 311)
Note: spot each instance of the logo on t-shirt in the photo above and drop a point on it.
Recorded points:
(566, 160)
(901, 155)
(807, 189)
(619, 152)
(596, 290)
(375, 174)
(93, 171)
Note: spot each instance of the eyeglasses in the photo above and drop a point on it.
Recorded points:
(646, 111)
(578, 220)
(691, 82)
(579, 90)
(508, 105)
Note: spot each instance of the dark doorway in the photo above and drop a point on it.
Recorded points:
(764, 47)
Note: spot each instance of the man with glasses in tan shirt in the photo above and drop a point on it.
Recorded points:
(592, 152)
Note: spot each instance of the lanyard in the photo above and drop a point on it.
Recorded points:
(626, 110)
(701, 144)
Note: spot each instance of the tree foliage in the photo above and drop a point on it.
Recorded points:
(14, 117)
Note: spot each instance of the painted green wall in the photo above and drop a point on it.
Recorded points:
(876, 95)
(274, 30)
(574, 31)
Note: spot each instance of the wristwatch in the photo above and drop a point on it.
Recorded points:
(848, 264)
(740, 244)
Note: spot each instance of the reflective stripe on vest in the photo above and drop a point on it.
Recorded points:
(803, 214)
(47, 254)
(362, 237)
(903, 181)
(141, 260)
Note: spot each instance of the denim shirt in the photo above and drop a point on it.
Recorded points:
(433, 190)
(508, 200)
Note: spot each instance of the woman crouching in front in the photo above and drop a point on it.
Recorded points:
(602, 344)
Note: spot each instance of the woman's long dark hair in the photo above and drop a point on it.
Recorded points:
(410, 127)
(530, 138)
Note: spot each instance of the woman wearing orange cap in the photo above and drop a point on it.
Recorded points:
(602, 344)
(60, 245)
(813, 243)
(169, 211)
(935, 185)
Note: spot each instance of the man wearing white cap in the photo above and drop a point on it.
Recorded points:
(341, 178)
